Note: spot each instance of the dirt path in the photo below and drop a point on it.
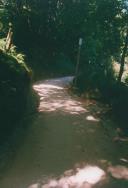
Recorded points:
(68, 145)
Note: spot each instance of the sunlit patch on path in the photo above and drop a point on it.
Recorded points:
(118, 172)
(83, 178)
(91, 118)
(53, 97)
(67, 132)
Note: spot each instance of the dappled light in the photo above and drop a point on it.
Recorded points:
(118, 172)
(63, 94)
(120, 139)
(92, 118)
(65, 131)
(85, 177)
(51, 98)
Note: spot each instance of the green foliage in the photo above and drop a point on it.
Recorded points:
(126, 79)
(4, 21)
(14, 88)
(48, 28)
(119, 101)
(2, 43)
(13, 53)
(56, 26)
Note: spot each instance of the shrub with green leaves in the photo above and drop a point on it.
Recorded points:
(14, 88)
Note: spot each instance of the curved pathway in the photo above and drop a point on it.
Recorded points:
(69, 144)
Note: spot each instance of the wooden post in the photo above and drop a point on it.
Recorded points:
(78, 60)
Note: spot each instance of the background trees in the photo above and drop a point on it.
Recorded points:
(48, 31)
(52, 28)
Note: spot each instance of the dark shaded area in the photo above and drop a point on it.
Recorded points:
(116, 95)
(107, 90)
(119, 102)
(68, 141)
(14, 91)
(46, 66)
(48, 33)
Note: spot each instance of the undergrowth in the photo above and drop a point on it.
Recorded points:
(15, 81)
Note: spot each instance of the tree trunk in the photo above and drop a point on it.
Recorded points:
(122, 62)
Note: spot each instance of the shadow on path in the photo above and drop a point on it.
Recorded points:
(68, 145)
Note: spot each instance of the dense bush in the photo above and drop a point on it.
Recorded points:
(14, 88)
(119, 102)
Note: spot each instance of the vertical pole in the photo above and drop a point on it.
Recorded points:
(78, 60)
